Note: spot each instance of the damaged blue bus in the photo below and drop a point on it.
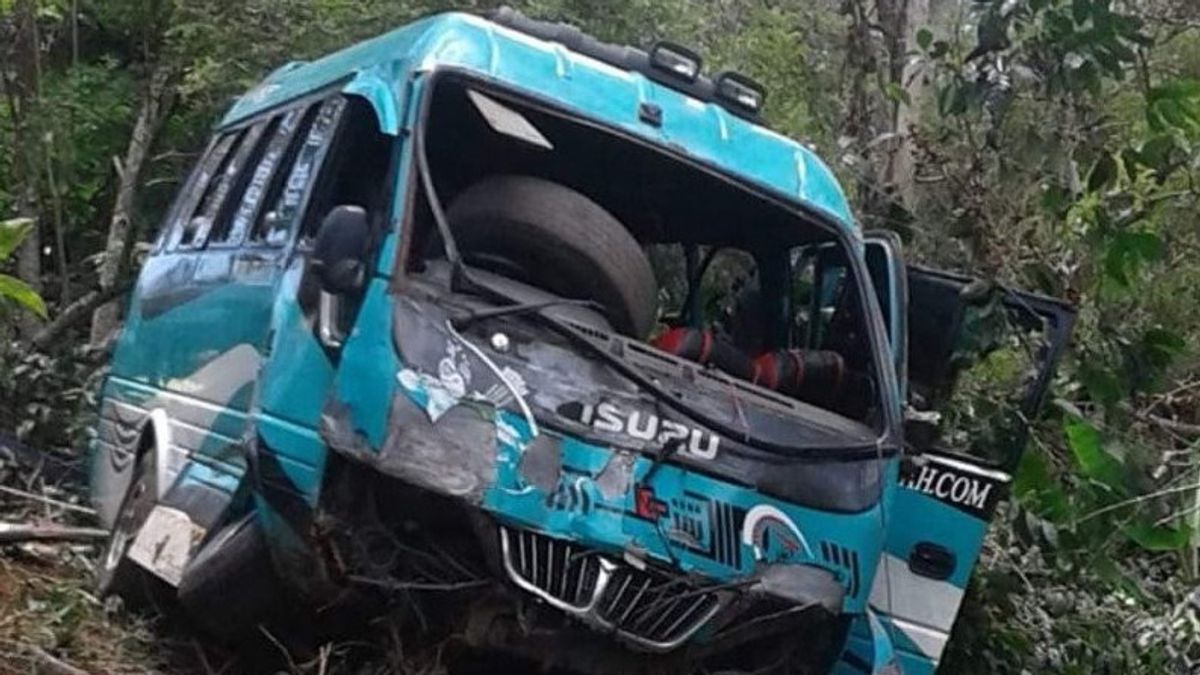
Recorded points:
(557, 339)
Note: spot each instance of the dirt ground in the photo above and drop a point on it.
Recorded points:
(51, 622)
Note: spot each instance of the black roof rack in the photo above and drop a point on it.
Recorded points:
(620, 56)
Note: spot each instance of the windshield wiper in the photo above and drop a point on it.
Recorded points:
(519, 308)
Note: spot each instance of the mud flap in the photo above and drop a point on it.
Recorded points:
(166, 542)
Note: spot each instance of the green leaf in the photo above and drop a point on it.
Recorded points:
(1128, 252)
(1037, 489)
(1081, 10)
(1103, 385)
(20, 292)
(953, 99)
(897, 93)
(1157, 152)
(1096, 462)
(1174, 105)
(12, 233)
(1122, 52)
(1103, 173)
(924, 38)
(1161, 347)
(1158, 538)
(1056, 200)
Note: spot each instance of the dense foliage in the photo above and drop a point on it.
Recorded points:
(1047, 144)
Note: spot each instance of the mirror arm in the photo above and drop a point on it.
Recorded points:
(327, 320)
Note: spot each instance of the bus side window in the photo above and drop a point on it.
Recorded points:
(288, 194)
(199, 223)
(176, 232)
(355, 170)
(267, 169)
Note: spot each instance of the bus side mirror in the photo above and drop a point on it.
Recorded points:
(340, 251)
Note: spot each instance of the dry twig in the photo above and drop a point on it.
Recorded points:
(47, 500)
(19, 533)
(53, 665)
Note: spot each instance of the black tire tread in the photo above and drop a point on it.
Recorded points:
(570, 244)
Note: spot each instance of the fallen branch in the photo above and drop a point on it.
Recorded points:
(1182, 428)
(47, 500)
(19, 533)
(74, 313)
(52, 665)
(1138, 500)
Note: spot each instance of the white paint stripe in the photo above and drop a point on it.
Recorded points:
(914, 598)
(762, 511)
(931, 642)
(206, 393)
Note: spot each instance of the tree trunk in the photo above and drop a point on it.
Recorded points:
(900, 167)
(21, 92)
(156, 102)
(880, 126)
(901, 20)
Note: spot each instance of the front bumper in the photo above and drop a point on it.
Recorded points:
(656, 609)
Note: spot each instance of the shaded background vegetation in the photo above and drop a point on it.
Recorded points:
(1047, 144)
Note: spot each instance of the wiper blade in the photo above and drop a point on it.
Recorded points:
(519, 308)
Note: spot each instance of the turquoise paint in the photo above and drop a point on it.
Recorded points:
(926, 519)
(299, 452)
(366, 378)
(297, 377)
(202, 473)
(293, 388)
(161, 349)
(870, 645)
(224, 424)
(378, 85)
(601, 92)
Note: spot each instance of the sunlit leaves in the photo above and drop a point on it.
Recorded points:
(1175, 106)
(1094, 461)
(19, 292)
(12, 233)
(1158, 537)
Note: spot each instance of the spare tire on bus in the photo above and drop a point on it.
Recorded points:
(550, 236)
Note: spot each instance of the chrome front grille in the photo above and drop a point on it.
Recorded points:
(565, 572)
(655, 606)
(654, 610)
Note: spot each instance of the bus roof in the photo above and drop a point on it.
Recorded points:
(592, 88)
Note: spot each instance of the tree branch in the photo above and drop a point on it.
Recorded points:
(77, 311)
(19, 533)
